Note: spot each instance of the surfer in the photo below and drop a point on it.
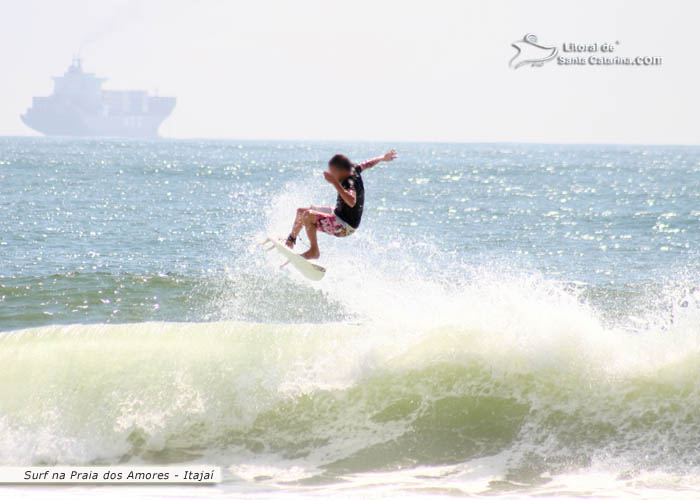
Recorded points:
(342, 221)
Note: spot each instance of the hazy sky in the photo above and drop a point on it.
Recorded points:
(367, 70)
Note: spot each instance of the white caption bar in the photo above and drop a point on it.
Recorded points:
(197, 474)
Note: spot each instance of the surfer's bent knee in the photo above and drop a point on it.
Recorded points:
(308, 218)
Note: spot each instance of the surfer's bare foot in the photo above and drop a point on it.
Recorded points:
(311, 253)
(291, 240)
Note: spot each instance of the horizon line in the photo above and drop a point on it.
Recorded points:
(397, 141)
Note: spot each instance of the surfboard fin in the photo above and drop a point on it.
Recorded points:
(263, 243)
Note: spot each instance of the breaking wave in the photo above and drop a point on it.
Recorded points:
(522, 370)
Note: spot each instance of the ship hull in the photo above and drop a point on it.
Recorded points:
(93, 126)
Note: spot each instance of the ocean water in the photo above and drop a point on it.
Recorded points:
(509, 321)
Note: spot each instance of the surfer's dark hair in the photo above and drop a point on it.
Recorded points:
(340, 161)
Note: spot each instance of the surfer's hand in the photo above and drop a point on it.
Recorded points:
(391, 155)
(331, 178)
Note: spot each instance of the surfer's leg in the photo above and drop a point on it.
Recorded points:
(309, 219)
(298, 222)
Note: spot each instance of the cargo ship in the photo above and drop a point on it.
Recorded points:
(80, 107)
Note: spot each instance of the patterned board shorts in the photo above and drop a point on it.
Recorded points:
(330, 223)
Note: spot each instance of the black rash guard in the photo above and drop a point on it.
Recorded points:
(352, 215)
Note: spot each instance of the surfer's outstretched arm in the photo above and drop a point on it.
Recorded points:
(387, 157)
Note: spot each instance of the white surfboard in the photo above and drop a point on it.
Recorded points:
(308, 269)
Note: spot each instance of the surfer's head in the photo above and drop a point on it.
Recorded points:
(340, 166)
